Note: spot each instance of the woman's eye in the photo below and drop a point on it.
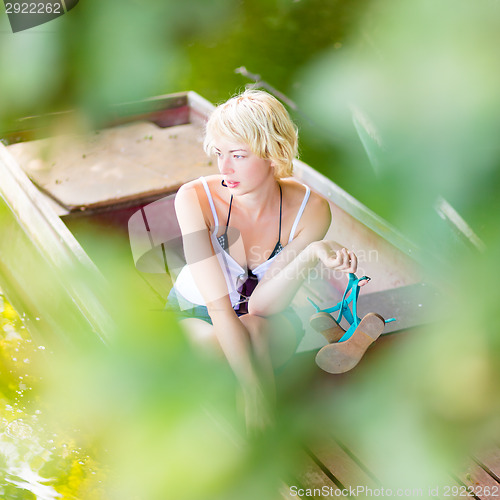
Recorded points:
(239, 156)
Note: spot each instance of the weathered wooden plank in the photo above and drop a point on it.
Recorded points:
(472, 481)
(411, 306)
(114, 165)
(41, 265)
(345, 469)
(489, 461)
(165, 110)
(380, 480)
(476, 481)
(313, 479)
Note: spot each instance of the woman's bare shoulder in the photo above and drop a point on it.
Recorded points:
(297, 191)
(317, 215)
(187, 192)
(191, 204)
(317, 211)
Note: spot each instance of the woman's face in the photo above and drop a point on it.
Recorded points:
(242, 170)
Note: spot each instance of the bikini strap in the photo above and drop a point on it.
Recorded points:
(229, 212)
(281, 207)
(299, 213)
(210, 200)
(223, 241)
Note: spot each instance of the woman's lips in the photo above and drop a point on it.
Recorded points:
(232, 184)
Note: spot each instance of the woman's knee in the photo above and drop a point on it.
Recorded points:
(275, 334)
(257, 327)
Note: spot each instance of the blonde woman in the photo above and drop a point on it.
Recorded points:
(250, 235)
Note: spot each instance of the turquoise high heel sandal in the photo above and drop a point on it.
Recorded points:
(341, 356)
(350, 297)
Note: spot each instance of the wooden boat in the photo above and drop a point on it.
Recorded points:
(46, 194)
(120, 173)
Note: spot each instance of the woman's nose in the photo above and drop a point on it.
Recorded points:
(225, 166)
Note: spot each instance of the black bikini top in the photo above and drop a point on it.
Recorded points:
(223, 241)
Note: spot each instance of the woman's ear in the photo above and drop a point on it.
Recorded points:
(274, 169)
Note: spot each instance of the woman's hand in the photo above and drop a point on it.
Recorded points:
(333, 256)
(259, 410)
(280, 284)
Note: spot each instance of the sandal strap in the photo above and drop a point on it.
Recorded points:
(349, 297)
(353, 287)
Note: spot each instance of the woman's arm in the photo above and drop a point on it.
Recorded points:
(275, 294)
(283, 279)
(210, 280)
(198, 251)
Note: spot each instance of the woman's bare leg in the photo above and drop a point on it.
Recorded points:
(202, 334)
(259, 330)
(272, 343)
(283, 340)
(273, 339)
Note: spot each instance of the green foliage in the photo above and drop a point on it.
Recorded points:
(151, 418)
(422, 80)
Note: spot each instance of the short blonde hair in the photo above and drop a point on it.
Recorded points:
(259, 120)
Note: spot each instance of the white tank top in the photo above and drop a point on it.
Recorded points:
(235, 275)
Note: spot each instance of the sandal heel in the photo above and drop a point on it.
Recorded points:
(344, 356)
(323, 323)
